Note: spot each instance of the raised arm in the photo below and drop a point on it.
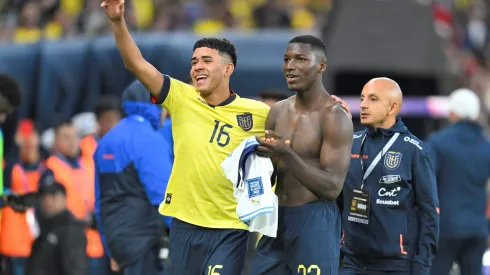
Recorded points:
(131, 55)
(328, 180)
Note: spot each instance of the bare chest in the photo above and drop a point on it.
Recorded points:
(303, 130)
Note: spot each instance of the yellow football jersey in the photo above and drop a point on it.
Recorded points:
(198, 191)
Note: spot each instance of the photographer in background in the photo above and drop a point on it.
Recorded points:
(60, 247)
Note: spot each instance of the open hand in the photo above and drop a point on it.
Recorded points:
(272, 145)
(114, 9)
(342, 104)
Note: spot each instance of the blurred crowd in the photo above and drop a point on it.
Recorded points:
(27, 21)
(463, 27)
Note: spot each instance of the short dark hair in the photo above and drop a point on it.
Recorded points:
(222, 45)
(315, 42)
(275, 94)
(61, 124)
(107, 103)
(10, 90)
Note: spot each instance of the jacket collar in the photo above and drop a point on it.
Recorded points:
(398, 127)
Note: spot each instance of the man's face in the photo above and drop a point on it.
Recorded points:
(208, 70)
(375, 106)
(52, 204)
(301, 66)
(107, 120)
(27, 142)
(67, 141)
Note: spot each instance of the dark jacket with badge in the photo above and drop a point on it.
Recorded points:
(60, 248)
(133, 165)
(402, 225)
(462, 161)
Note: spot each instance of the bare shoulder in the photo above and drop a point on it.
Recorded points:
(281, 106)
(336, 124)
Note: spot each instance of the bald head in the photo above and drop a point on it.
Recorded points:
(381, 101)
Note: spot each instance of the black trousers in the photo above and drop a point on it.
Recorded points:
(467, 252)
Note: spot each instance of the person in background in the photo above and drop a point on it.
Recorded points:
(10, 99)
(60, 247)
(271, 96)
(132, 161)
(86, 126)
(461, 155)
(107, 114)
(21, 178)
(77, 176)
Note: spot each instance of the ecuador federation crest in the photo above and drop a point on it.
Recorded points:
(245, 121)
(393, 160)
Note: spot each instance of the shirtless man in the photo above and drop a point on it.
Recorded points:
(309, 137)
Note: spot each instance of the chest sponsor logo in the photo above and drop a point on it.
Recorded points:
(393, 160)
(390, 179)
(245, 121)
(413, 141)
(384, 192)
(387, 202)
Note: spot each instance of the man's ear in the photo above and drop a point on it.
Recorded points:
(229, 69)
(323, 66)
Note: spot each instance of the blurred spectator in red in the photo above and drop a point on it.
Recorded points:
(21, 177)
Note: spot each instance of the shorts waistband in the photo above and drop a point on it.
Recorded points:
(185, 226)
(181, 225)
(320, 204)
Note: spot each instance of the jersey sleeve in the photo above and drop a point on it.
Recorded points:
(173, 93)
(261, 117)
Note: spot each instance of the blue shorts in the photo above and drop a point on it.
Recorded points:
(196, 250)
(308, 242)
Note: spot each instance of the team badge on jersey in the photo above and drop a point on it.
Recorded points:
(245, 121)
(393, 160)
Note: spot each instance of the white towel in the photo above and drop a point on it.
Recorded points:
(251, 178)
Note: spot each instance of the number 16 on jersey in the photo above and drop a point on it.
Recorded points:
(220, 135)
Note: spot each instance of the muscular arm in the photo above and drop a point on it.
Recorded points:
(134, 61)
(326, 181)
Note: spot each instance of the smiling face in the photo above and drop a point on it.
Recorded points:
(302, 65)
(209, 69)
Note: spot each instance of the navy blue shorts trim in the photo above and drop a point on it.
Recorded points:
(308, 242)
(196, 250)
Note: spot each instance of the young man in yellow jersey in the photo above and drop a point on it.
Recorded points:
(208, 121)
(310, 137)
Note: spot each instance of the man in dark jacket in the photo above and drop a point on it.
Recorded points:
(390, 206)
(60, 248)
(462, 161)
(133, 165)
